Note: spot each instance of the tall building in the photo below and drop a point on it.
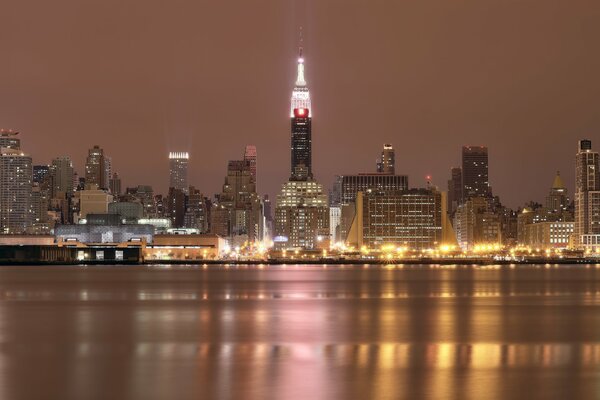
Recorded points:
(301, 120)
(301, 210)
(15, 191)
(96, 167)
(557, 200)
(115, 184)
(62, 173)
(9, 139)
(455, 190)
(178, 170)
(238, 213)
(587, 197)
(411, 218)
(475, 171)
(251, 158)
(40, 173)
(476, 223)
(387, 163)
(346, 187)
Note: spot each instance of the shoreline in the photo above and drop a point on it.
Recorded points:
(317, 262)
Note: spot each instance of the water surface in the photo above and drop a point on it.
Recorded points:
(300, 332)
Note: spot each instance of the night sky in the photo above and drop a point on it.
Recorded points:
(141, 78)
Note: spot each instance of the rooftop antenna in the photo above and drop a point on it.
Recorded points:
(301, 43)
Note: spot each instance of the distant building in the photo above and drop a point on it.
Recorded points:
(175, 206)
(349, 185)
(115, 184)
(93, 201)
(130, 212)
(557, 200)
(548, 235)
(587, 198)
(455, 190)
(302, 207)
(9, 139)
(96, 167)
(475, 171)
(251, 158)
(411, 218)
(387, 163)
(16, 177)
(178, 170)
(40, 173)
(62, 173)
(476, 223)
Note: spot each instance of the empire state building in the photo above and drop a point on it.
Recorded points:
(300, 114)
(301, 211)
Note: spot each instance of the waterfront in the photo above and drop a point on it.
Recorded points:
(300, 332)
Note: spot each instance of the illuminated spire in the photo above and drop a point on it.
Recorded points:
(300, 95)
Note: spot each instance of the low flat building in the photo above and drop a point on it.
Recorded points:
(185, 247)
(548, 235)
(72, 234)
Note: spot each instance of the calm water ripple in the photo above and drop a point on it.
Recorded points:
(300, 332)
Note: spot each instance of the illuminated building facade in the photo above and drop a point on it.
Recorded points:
(15, 191)
(96, 167)
(587, 197)
(387, 163)
(178, 170)
(411, 218)
(475, 223)
(62, 173)
(301, 209)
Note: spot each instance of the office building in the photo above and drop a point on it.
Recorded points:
(96, 167)
(475, 172)
(62, 173)
(10, 139)
(15, 190)
(251, 158)
(178, 171)
(455, 190)
(414, 219)
(387, 162)
(587, 198)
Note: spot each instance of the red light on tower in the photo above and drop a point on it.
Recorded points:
(301, 112)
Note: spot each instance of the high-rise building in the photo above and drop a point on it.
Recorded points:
(62, 173)
(238, 213)
(475, 171)
(178, 170)
(196, 215)
(587, 197)
(302, 209)
(15, 191)
(387, 163)
(115, 184)
(96, 167)
(557, 200)
(9, 139)
(175, 206)
(455, 190)
(40, 173)
(301, 120)
(251, 158)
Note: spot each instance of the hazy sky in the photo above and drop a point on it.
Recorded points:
(141, 78)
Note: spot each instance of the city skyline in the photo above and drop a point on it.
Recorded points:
(172, 105)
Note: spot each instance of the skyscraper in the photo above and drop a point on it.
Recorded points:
(587, 197)
(302, 210)
(455, 189)
(15, 186)
(178, 170)
(95, 168)
(61, 171)
(557, 200)
(251, 158)
(115, 184)
(301, 118)
(387, 163)
(475, 171)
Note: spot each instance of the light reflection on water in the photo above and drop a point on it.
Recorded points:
(245, 332)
